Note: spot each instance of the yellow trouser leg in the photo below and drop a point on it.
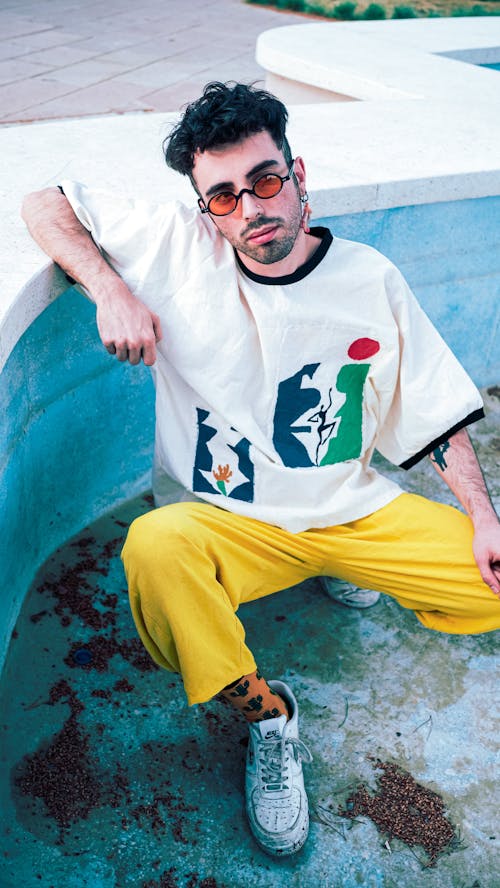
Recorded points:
(190, 565)
(419, 552)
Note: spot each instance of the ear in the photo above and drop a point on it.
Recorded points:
(300, 174)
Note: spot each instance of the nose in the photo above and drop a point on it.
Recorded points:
(250, 206)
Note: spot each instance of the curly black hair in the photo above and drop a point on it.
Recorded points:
(223, 115)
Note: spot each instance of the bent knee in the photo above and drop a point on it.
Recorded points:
(159, 531)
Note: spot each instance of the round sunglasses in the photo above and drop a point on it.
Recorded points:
(225, 202)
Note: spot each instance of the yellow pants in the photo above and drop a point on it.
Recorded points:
(190, 565)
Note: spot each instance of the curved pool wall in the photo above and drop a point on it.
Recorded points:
(76, 431)
(77, 426)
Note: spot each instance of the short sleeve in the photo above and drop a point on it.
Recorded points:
(141, 240)
(434, 396)
(121, 226)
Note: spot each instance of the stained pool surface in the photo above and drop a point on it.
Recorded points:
(97, 786)
(110, 780)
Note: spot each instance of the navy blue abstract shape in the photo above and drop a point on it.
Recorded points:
(292, 402)
(204, 462)
(244, 491)
(203, 457)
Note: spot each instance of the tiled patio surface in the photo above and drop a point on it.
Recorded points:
(62, 58)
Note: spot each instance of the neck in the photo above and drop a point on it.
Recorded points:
(304, 247)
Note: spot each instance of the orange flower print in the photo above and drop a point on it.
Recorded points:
(222, 474)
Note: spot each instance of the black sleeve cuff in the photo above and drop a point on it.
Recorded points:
(472, 417)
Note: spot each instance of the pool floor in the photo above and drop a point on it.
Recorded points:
(110, 780)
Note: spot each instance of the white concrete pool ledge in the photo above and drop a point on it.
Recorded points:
(427, 129)
(396, 114)
(372, 60)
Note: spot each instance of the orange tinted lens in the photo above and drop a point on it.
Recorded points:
(222, 203)
(267, 186)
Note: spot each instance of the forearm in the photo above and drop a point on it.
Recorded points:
(55, 228)
(126, 326)
(456, 462)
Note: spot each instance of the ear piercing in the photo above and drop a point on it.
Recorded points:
(306, 212)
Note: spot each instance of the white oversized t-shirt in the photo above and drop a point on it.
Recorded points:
(272, 393)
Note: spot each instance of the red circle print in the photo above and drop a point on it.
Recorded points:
(363, 348)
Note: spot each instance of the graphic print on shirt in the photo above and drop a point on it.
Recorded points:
(315, 428)
(311, 428)
(225, 466)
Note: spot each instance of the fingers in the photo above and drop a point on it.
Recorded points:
(128, 329)
(157, 327)
(132, 352)
(490, 574)
(149, 354)
(495, 574)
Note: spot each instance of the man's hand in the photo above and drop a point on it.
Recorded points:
(486, 548)
(127, 328)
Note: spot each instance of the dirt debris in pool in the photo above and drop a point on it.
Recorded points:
(60, 772)
(403, 809)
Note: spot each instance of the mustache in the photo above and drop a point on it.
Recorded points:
(261, 222)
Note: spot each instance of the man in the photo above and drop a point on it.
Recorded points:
(282, 358)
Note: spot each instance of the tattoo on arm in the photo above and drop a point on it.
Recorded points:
(463, 475)
(437, 455)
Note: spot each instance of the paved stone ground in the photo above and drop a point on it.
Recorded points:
(63, 58)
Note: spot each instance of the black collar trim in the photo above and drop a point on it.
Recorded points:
(302, 271)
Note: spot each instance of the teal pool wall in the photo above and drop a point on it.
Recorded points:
(76, 427)
(450, 255)
(76, 431)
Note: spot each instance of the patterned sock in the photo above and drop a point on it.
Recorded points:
(252, 696)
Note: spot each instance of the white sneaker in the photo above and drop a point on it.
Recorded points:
(348, 594)
(276, 800)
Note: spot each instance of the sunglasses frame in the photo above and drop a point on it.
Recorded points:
(205, 208)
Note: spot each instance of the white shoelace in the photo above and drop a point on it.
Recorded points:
(274, 760)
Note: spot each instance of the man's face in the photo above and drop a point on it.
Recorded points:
(264, 230)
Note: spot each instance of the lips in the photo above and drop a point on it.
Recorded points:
(263, 235)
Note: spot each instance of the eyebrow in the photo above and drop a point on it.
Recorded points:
(227, 186)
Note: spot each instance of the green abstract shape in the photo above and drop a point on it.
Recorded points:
(222, 487)
(348, 441)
